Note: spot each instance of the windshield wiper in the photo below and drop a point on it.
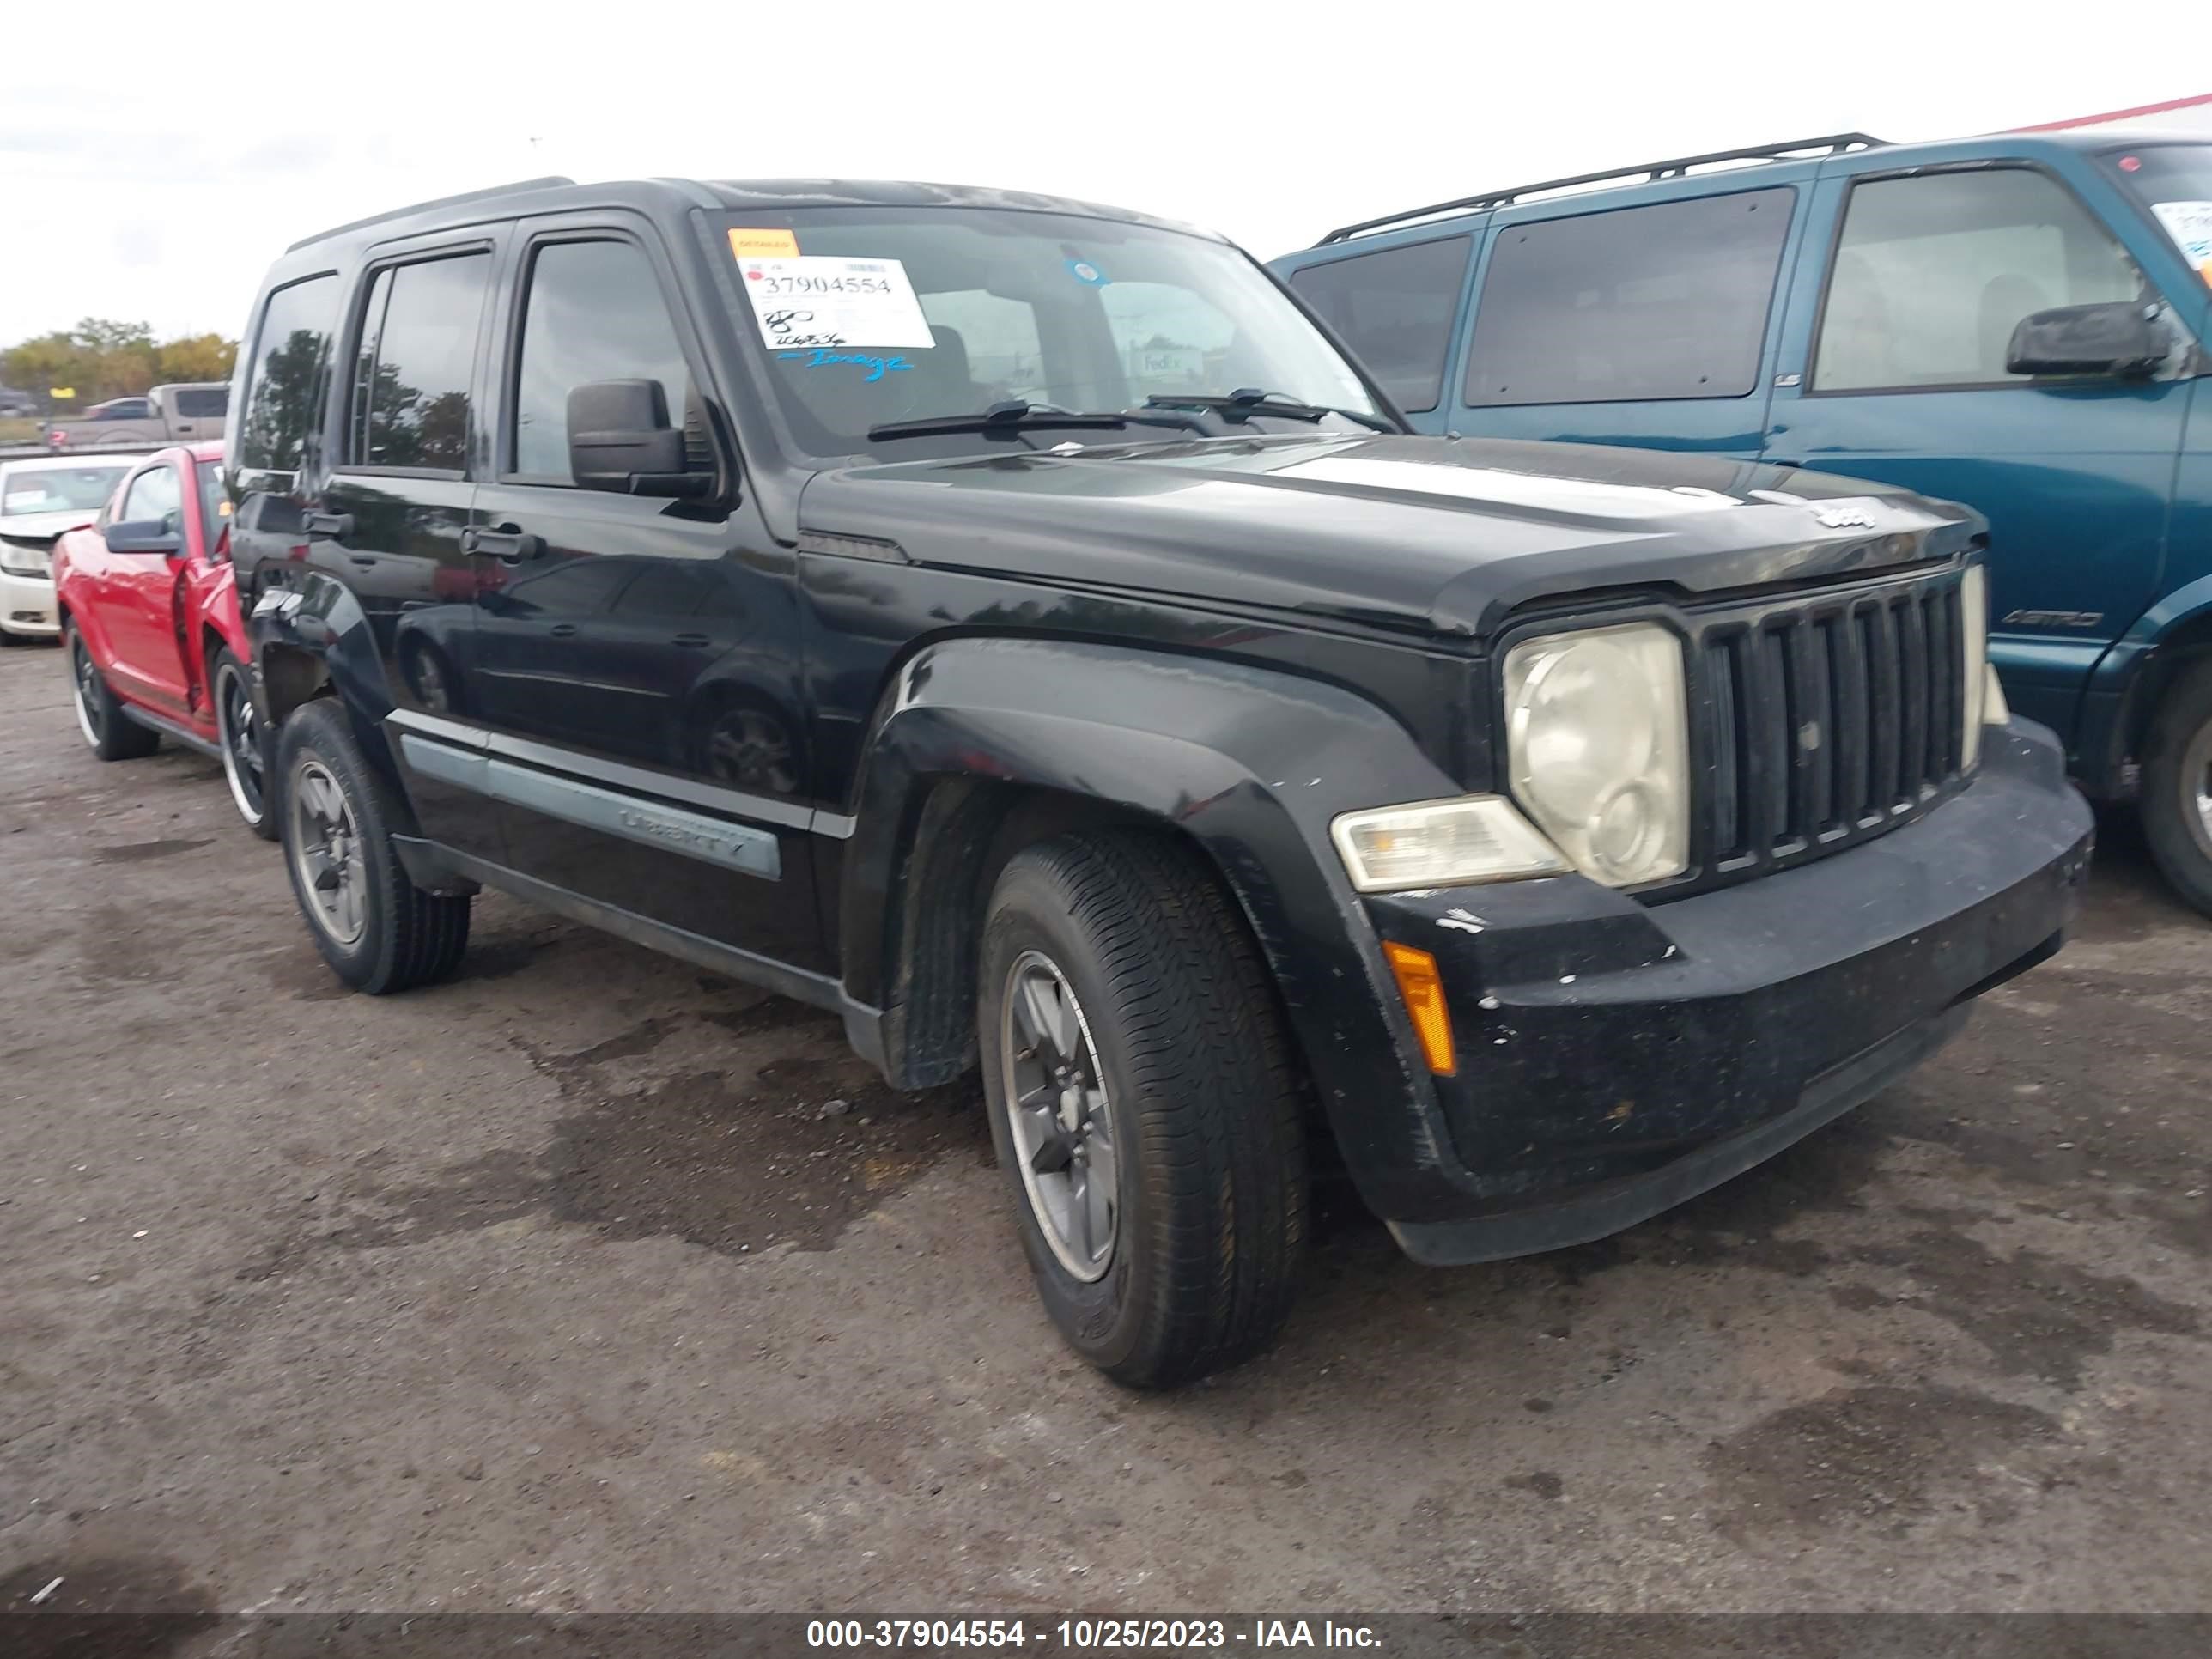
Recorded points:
(1018, 416)
(1247, 401)
(1007, 417)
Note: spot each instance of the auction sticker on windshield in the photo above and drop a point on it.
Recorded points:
(2190, 223)
(819, 300)
(768, 244)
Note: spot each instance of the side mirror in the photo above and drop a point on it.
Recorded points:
(2117, 337)
(619, 439)
(144, 536)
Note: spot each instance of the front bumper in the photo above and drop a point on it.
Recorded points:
(27, 605)
(1615, 1058)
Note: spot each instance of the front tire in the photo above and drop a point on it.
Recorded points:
(379, 931)
(2177, 787)
(113, 734)
(244, 754)
(1144, 1105)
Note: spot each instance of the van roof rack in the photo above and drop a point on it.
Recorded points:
(1835, 143)
(550, 181)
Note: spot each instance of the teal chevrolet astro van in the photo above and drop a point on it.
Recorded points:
(2019, 322)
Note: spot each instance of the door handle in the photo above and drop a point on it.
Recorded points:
(562, 630)
(328, 526)
(693, 641)
(507, 543)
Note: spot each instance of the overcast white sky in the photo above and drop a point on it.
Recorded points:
(154, 158)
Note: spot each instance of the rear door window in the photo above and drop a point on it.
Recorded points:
(203, 403)
(1395, 309)
(285, 381)
(1933, 273)
(1667, 300)
(416, 362)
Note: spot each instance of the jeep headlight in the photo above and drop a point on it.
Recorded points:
(1598, 748)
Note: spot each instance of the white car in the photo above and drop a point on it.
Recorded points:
(41, 500)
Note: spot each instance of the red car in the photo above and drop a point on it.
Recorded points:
(151, 624)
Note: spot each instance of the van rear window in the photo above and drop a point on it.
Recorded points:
(1659, 302)
(1395, 309)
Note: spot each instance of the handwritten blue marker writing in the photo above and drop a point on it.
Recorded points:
(877, 367)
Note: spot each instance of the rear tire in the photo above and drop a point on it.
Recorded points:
(379, 931)
(2177, 787)
(245, 750)
(1178, 1085)
(113, 734)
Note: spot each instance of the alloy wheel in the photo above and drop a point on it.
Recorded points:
(240, 730)
(327, 855)
(1056, 1105)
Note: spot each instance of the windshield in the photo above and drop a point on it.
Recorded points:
(868, 316)
(58, 490)
(2175, 181)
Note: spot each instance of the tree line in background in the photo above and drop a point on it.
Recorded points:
(100, 358)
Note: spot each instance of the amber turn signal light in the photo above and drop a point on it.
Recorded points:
(1422, 989)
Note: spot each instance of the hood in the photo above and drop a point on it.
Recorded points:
(45, 526)
(1446, 535)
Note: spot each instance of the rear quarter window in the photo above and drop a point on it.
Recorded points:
(1395, 308)
(284, 381)
(1666, 300)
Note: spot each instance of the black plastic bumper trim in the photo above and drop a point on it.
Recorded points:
(1597, 1212)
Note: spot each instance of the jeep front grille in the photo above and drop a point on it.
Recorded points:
(1825, 719)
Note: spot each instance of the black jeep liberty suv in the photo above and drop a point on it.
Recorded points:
(1019, 626)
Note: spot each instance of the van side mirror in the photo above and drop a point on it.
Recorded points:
(619, 439)
(2117, 337)
(144, 536)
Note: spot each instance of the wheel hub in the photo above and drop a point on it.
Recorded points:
(1057, 1109)
(325, 846)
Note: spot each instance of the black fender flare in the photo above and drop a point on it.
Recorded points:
(1251, 764)
(318, 622)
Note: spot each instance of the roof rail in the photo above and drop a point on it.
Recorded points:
(548, 182)
(1835, 143)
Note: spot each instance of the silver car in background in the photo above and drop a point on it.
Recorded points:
(40, 500)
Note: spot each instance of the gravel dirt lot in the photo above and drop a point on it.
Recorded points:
(558, 1288)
